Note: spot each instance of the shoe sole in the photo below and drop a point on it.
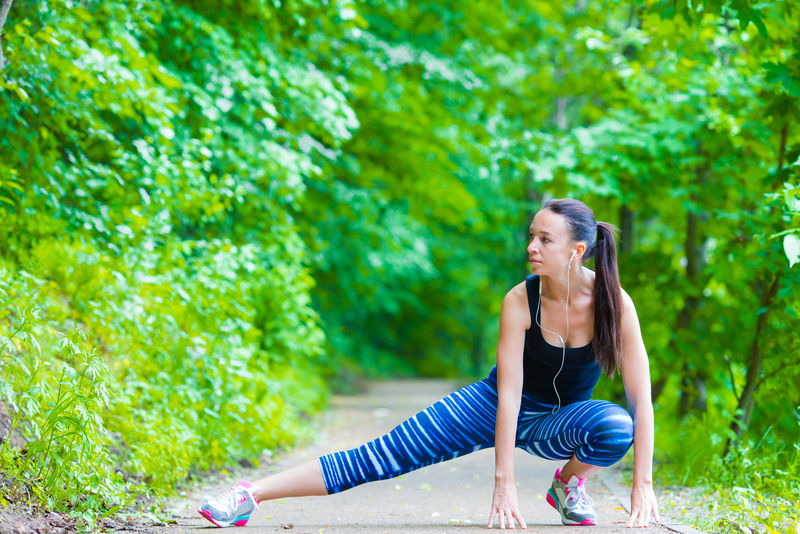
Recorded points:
(239, 522)
(552, 500)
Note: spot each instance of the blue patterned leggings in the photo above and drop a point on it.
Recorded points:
(597, 432)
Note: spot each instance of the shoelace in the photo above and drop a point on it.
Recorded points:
(227, 499)
(578, 495)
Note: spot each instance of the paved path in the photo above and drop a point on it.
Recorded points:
(452, 497)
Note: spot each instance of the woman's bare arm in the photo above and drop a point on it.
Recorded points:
(636, 378)
(514, 320)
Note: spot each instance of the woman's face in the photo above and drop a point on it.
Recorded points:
(550, 246)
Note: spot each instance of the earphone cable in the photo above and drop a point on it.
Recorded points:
(563, 344)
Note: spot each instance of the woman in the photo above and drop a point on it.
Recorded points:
(537, 397)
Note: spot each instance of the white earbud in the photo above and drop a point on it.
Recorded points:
(569, 265)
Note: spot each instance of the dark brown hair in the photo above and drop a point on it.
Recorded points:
(599, 239)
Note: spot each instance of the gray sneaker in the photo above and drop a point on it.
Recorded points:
(571, 500)
(232, 507)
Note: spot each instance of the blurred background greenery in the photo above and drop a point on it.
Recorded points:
(214, 213)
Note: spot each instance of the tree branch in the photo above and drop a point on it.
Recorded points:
(733, 379)
(5, 6)
(776, 371)
(782, 147)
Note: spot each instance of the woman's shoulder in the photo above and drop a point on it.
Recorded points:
(515, 305)
(517, 294)
(521, 289)
(626, 301)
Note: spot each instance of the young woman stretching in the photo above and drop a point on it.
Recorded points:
(560, 329)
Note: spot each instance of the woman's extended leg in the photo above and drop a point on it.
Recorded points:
(235, 505)
(300, 481)
(458, 424)
(461, 423)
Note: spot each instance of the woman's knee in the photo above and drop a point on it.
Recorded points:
(610, 436)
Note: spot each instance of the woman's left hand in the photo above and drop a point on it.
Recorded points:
(643, 505)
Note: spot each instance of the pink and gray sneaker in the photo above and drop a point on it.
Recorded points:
(232, 507)
(571, 500)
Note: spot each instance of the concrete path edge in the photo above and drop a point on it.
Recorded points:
(610, 478)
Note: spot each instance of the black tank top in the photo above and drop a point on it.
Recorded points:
(541, 361)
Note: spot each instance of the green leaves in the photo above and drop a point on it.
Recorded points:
(152, 202)
(786, 76)
(9, 186)
(55, 409)
(791, 246)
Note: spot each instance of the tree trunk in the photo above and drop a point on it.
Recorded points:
(559, 115)
(658, 387)
(626, 218)
(691, 383)
(533, 195)
(782, 148)
(693, 387)
(754, 364)
(5, 6)
(535, 198)
(689, 378)
(755, 360)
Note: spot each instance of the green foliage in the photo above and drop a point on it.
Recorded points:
(56, 386)
(149, 208)
(754, 487)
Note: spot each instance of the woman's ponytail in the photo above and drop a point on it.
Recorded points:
(607, 342)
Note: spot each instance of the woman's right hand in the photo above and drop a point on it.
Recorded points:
(514, 320)
(504, 506)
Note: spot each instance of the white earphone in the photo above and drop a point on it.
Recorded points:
(563, 344)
